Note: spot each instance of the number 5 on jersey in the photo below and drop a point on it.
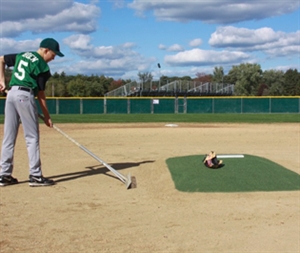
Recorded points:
(21, 71)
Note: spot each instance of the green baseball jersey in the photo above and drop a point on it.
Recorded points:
(28, 68)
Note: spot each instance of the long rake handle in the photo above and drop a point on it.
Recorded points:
(118, 174)
(125, 180)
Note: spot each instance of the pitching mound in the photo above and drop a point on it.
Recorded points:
(248, 174)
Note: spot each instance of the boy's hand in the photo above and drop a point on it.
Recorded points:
(48, 122)
(2, 86)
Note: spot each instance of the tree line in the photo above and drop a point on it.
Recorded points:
(249, 80)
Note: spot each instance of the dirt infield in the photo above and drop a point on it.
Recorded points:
(89, 210)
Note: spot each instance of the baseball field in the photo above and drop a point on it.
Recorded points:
(90, 210)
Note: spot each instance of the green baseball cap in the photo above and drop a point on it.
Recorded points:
(51, 44)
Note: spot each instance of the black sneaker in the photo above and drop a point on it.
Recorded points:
(7, 180)
(40, 181)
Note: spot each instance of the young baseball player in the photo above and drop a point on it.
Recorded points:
(28, 80)
(211, 160)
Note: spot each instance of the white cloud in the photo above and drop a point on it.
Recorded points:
(82, 45)
(118, 3)
(214, 11)
(264, 39)
(198, 57)
(115, 68)
(129, 45)
(230, 36)
(116, 60)
(285, 68)
(172, 48)
(284, 51)
(17, 11)
(192, 72)
(195, 43)
(175, 48)
(10, 46)
(112, 60)
(79, 42)
(76, 18)
(162, 47)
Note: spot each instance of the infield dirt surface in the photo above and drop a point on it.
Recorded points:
(89, 210)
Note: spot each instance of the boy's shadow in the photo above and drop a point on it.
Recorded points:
(94, 170)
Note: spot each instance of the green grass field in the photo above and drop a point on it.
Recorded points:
(248, 174)
(174, 118)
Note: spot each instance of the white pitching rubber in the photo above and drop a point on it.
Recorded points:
(230, 156)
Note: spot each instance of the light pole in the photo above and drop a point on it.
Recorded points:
(158, 65)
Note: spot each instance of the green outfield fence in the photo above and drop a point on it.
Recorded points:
(131, 105)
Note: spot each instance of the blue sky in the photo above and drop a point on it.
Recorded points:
(119, 38)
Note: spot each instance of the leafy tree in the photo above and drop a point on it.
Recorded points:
(126, 81)
(63, 75)
(146, 79)
(247, 78)
(49, 91)
(218, 75)
(57, 84)
(203, 78)
(274, 83)
(262, 90)
(76, 87)
(61, 89)
(95, 89)
(115, 84)
(55, 75)
(186, 78)
(164, 80)
(56, 88)
(292, 84)
(105, 83)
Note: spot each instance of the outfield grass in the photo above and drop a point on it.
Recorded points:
(174, 118)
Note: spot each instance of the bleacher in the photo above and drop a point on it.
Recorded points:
(174, 89)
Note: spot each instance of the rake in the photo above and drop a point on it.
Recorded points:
(126, 180)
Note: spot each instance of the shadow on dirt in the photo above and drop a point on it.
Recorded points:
(96, 169)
